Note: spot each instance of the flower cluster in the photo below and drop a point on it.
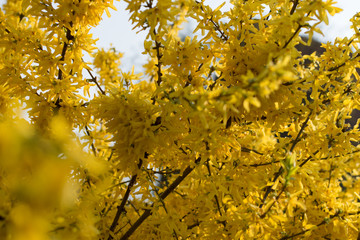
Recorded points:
(228, 134)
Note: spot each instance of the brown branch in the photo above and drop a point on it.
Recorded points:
(156, 191)
(93, 79)
(261, 164)
(163, 195)
(297, 30)
(245, 149)
(63, 52)
(159, 63)
(164, 172)
(296, 2)
(133, 206)
(343, 64)
(92, 143)
(292, 36)
(268, 188)
(199, 68)
(217, 28)
(308, 159)
(302, 164)
(60, 74)
(216, 25)
(121, 207)
(69, 37)
(196, 224)
(276, 199)
(149, 5)
(297, 139)
(216, 197)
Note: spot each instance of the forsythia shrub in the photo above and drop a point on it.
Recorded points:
(226, 135)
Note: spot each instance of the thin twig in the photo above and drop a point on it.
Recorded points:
(342, 64)
(133, 206)
(245, 149)
(157, 47)
(276, 199)
(216, 197)
(296, 2)
(121, 207)
(308, 159)
(297, 139)
(163, 195)
(261, 164)
(92, 140)
(159, 63)
(60, 74)
(296, 31)
(217, 28)
(157, 192)
(93, 79)
(292, 36)
(216, 25)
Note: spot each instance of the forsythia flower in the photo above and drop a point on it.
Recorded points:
(231, 133)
